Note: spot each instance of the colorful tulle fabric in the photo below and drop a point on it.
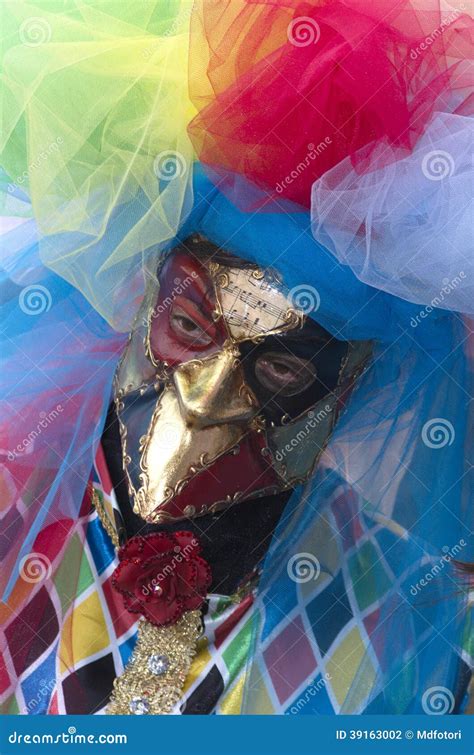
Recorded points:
(100, 103)
(95, 110)
(292, 88)
(58, 361)
(406, 228)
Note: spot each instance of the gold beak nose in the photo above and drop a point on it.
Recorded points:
(212, 391)
(204, 415)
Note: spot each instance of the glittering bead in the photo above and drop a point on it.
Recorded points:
(143, 687)
(139, 706)
(158, 664)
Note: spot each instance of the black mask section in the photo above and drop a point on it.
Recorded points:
(312, 343)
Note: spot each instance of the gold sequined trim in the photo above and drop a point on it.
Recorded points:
(104, 518)
(169, 652)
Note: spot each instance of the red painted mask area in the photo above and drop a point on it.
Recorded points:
(245, 473)
(183, 325)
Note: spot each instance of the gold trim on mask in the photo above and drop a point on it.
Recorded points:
(242, 297)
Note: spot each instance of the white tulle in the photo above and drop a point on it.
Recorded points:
(407, 228)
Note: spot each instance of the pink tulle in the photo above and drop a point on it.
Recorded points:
(298, 87)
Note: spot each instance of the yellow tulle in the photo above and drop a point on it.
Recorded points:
(95, 111)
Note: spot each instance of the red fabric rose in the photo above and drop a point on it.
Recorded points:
(162, 575)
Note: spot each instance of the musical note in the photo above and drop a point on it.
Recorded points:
(246, 310)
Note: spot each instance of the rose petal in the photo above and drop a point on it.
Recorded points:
(161, 568)
(132, 549)
(143, 589)
(125, 576)
(168, 589)
(204, 575)
(157, 543)
(132, 604)
(186, 579)
(159, 563)
(195, 598)
(163, 613)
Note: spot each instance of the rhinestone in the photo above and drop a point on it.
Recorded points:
(158, 664)
(139, 706)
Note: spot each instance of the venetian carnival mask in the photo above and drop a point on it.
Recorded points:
(227, 390)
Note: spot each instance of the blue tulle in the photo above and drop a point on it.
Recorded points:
(347, 308)
(58, 360)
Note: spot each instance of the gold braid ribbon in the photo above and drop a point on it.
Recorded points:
(153, 680)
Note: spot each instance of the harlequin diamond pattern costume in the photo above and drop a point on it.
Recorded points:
(238, 360)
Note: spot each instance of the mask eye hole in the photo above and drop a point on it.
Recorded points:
(284, 374)
(187, 330)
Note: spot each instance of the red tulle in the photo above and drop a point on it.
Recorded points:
(291, 88)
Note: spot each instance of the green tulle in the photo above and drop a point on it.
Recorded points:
(94, 117)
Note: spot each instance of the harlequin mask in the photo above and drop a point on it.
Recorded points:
(227, 390)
